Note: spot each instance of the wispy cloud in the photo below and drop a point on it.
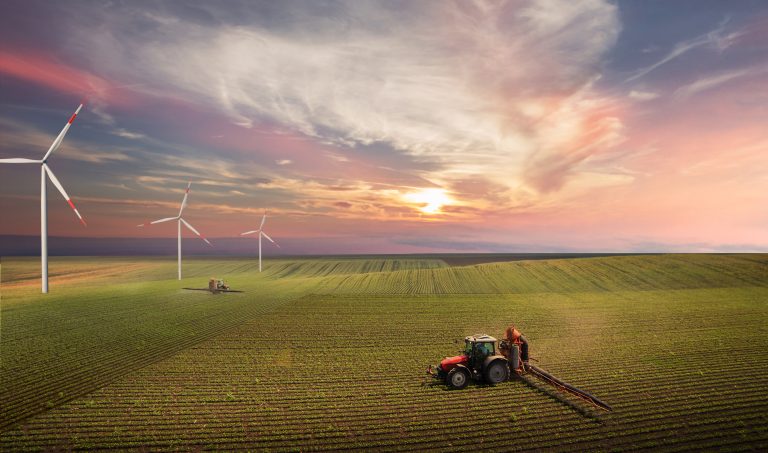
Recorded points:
(714, 80)
(120, 132)
(581, 129)
(717, 39)
(43, 69)
(643, 95)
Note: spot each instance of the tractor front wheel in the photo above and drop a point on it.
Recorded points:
(497, 372)
(457, 378)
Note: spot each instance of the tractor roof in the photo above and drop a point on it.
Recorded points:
(480, 338)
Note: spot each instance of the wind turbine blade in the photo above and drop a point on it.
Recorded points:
(186, 224)
(167, 219)
(58, 185)
(249, 232)
(270, 239)
(263, 219)
(184, 201)
(56, 143)
(19, 160)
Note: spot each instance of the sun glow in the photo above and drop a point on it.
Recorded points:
(429, 201)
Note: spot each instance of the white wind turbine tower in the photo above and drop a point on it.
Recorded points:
(179, 221)
(261, 233)
(46, 171)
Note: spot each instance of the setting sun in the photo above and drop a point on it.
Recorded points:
(429, 201)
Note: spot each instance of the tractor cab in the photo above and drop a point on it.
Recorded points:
(480, 344)
(478, 348)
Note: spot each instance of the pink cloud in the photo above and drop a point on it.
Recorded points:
(45, 70)
(576, 130)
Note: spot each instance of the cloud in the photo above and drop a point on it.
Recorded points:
(716, 39)
(45, 70)
(715, 80)
(580, 129)
(643, 95)
(474, 87)
(283, 162)
(128, 134)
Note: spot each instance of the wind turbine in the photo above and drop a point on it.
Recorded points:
(179, 221)
(261, 233)
(45, 171)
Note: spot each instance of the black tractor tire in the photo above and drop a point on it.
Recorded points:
(457, 378)
(496, 372)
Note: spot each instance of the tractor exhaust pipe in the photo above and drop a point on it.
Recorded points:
(562, 385)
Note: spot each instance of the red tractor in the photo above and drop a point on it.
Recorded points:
(482, 361)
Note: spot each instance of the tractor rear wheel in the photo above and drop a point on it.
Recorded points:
(496, 372)
(457, 378)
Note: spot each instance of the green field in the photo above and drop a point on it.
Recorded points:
(330, 354)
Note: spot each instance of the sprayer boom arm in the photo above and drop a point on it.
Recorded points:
(562, 385)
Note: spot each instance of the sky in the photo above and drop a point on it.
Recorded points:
(393, 126)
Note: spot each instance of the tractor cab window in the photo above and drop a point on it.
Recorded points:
(468, 347)
(484, 349)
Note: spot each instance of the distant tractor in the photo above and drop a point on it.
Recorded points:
(482, 361)
(216, 286)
